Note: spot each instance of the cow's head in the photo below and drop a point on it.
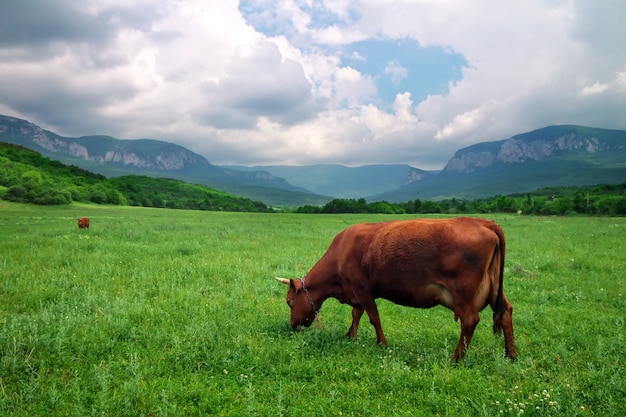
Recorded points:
(299, 301)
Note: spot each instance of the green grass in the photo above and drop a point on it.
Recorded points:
(159, 312)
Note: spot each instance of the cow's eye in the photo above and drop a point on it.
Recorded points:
(290, 303)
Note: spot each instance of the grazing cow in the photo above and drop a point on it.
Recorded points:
(458, 263)
(83, 223)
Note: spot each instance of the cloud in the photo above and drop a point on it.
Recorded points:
(395, 71)
(596, 88)
(259, 83)
(355, 82)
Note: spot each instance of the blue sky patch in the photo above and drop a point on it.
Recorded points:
(400, 66)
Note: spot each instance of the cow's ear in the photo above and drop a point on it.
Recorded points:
(295, 285)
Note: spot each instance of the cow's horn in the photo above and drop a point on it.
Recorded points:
(283, 280)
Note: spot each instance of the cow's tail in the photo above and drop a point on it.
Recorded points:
(499, 306)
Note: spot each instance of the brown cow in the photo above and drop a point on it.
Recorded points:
(458, 263)
(83, 223)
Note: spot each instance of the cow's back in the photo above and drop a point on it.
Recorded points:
(409, 261)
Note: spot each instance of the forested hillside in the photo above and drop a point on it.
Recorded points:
(27, 176)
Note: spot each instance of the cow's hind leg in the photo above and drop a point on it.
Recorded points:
(469, 321)
(357, 312)
(504, 322)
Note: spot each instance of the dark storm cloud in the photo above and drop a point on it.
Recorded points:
(42, 21)
(36, 22)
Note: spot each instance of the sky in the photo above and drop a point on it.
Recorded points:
(287, 82)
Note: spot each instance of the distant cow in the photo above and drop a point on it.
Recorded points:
(83, 223)
(457, 263)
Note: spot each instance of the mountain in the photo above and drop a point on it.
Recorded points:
(345, 182)
(552, 156)
(112, 157)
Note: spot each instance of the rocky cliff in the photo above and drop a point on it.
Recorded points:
(166, 158)
(144, 153)
(533, 146)
(414, 175)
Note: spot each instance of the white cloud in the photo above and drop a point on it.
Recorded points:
(596, 88)
(351, 87)
(403, 107)
(395, 71)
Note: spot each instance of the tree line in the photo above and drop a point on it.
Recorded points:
(608, 200)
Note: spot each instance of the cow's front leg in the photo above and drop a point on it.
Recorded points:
(357, 312)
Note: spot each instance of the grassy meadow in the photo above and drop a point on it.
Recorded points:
(155, 312)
